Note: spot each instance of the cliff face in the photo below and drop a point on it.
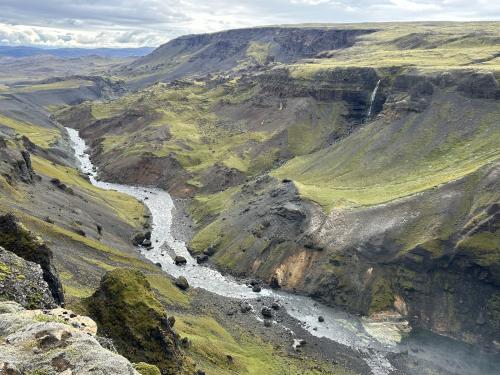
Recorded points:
(17, 239)
(222, 52)
(23, 282)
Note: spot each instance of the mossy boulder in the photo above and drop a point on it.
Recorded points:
(127, 311)
(146, 369)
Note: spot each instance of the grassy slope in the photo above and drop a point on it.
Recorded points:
(385, 161)
(126, 208)
(39, 135)
(197, 139)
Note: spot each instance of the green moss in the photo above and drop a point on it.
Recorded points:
(484, 247)
(208, 236)
(209, 205)
(4, 271)
(212, 343)
(146, 369)
(50, 318)
(39, 135)
(382, 296)
(168, 291)
(127, 310)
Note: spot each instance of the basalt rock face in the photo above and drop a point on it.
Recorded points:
(17, 164)
(127, 311)
(352, 86)
(98, 88)
(22, 281)
(223, 51)
(16, 238)
(50, 342)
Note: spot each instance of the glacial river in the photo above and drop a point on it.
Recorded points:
(374, 341)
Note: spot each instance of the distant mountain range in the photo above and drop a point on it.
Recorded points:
(23, 51)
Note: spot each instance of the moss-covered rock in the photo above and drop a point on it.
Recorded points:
(127, 311)
(16, 238)
(146, 369)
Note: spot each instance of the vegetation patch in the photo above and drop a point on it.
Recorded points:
(41, 136)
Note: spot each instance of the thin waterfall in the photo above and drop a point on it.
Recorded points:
(372, 98)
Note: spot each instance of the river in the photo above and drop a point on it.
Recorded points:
(373, 340)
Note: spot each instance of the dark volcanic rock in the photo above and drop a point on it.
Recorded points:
(22, 281)
(266, 312)
(209, 251)
(201, 258)
(15, 238)
(180, 260)
(479, 85)
(256, 288)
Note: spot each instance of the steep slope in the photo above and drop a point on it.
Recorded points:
(198, 55)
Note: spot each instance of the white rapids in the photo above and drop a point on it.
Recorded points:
(339, 326)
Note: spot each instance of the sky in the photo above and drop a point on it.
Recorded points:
(136, 23)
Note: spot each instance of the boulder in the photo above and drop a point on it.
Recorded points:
(38, 342)
(182, 283)
(297, 343)
(201, 258)
(266, 312)
(256, 288)
(321, 319)
(245, 307)
(209, 251)
(275, 306)
(180, 260)
(275, 283)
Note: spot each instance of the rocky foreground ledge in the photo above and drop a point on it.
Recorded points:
(55, 341)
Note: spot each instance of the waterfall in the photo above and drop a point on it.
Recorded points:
(372, 98)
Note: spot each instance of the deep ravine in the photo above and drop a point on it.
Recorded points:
(375, 341)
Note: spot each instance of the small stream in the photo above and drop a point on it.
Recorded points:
(374, 341)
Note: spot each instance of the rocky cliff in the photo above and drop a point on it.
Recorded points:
(243, 49)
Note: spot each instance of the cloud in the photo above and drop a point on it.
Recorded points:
(130, 23)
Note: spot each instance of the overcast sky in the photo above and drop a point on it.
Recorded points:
(133, 23)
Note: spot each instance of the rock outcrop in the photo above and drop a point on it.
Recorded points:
(127, 311)
(22, 281)
(53, 342)
(16, 238)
